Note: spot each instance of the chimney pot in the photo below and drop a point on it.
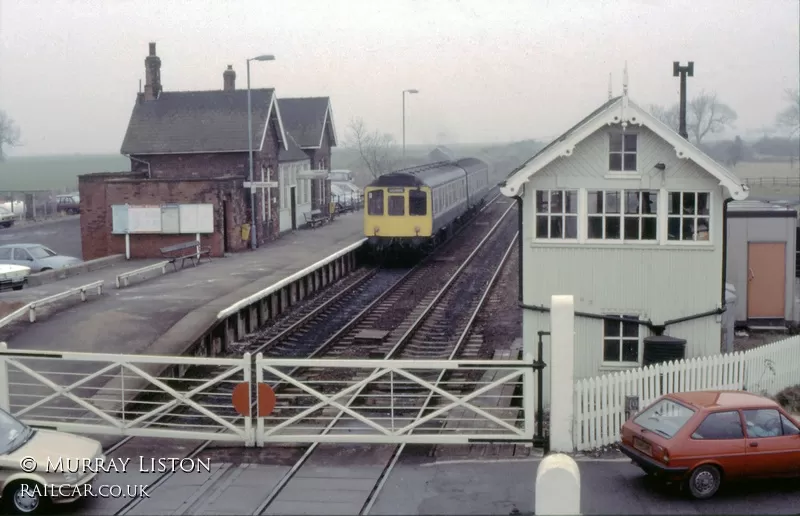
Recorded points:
(152, 68)
(229, 79)
(152, 49)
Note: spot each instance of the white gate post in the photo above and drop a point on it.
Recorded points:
(558, 486)
(562, 364)
(5, 403)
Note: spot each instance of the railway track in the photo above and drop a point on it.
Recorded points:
(440, 330)
(326, 324)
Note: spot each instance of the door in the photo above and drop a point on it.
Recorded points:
(21, 257)
(293, 205)
(773, 445)
(766, 280)
(225, 219)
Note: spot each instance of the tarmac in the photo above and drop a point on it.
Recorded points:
(162, 315)
(459, 487)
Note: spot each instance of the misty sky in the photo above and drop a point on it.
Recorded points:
(487, 71)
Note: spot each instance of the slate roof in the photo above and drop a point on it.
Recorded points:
(196, 121)
(441, 153)
(295, 153)
(304, 119)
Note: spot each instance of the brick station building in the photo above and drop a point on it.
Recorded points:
(190, 147)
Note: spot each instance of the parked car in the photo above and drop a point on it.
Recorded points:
(702, 438)
(13, 276)
(6, 218)
(68, 203)
(38, 257)
(25, 481)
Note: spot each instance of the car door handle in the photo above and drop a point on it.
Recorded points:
(754, 445)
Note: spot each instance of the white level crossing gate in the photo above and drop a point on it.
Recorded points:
(304, 401)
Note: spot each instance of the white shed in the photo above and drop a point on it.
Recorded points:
(762, 254)
(627, 216)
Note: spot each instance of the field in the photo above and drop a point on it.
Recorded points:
(29, 173)
(60, 173)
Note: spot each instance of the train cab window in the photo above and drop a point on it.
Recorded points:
(397, 205)
(375, 202)
(417, 202)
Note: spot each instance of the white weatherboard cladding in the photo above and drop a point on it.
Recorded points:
(660, 282)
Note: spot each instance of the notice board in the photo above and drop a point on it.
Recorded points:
(171, 219)
(144, 219)
(197, 218)
(119, 214)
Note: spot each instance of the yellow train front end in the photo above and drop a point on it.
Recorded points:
(398, 216)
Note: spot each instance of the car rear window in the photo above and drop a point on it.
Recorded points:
(665, 417)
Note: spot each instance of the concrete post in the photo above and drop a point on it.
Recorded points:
(558, 485)
(562, 365)
(5, 403)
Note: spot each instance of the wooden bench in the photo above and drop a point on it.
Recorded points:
(317, 218)
(185, 251)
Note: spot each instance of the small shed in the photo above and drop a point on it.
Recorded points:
(762, 261)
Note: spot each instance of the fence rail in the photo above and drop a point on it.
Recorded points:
(772, 181)
(600, 401)
(31, 307)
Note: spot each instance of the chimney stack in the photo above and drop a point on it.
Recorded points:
(152, 69)
(683, 72)
(229, 79)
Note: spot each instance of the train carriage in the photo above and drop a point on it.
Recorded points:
(418, 206)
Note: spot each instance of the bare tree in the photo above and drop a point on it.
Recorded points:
(9, 133)
(669, 116)
(705, 114)
(376, 149)
(789, 118)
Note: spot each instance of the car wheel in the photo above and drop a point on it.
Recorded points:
(7, 224)
(18, 287)
(26, 497)
(46, 269)
(704, 482)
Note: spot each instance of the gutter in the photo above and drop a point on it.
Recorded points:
(657, 329)
(149, 172)
(725, 203)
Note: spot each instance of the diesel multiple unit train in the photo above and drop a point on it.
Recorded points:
(414, 209)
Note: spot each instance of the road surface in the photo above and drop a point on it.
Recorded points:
(63, 236)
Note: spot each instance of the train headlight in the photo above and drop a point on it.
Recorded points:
(416, 228)
(376, 230)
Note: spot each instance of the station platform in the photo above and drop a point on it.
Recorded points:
(132, 319)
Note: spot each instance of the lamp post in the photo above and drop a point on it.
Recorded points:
(253, 242)
(412, 91)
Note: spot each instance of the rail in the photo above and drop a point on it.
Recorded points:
(258, 296)
(31, 307)
(123, 279)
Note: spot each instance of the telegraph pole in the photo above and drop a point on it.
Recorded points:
(683, 72)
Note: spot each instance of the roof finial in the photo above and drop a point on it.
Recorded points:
(609, 86)
(625, 81)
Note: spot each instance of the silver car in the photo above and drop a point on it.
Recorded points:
(6, 218)
(36, 256)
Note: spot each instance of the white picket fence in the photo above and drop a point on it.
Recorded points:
(600, 401)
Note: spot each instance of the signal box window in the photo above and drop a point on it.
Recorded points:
(417, 202)
(375, 202)
(396, 205)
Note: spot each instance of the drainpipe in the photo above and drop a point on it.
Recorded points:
(149, 172)
(520, 245)
(724, 249)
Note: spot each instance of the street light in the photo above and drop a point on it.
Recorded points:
(412, 91)
(264, 57)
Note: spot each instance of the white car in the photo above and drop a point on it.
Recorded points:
(26, 455)
(6, 218)
(13, 276)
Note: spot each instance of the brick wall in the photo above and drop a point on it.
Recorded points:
(101, 193)
(194, 166)
(96, 213)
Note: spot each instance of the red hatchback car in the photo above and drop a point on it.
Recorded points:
(702, 438)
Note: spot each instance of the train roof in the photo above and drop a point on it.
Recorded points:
(470, 163)
(431, 174)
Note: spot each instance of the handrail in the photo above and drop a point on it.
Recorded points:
(33, 305)
(123, 279)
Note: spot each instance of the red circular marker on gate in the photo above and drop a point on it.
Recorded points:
(240, 397)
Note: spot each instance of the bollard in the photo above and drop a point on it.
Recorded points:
(562, 366)
(558, 486)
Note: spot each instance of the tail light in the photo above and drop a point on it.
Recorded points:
(665, 456)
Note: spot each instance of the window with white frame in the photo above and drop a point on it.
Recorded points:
(689, 216)
(627, 215)
(622, 152)
(621, 340)
(557, 214)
